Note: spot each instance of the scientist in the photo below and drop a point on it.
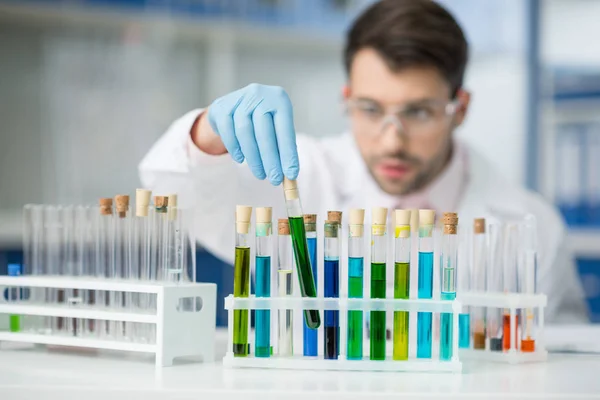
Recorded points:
(405, 62)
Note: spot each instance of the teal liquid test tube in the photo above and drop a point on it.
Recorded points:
(311, 336)
(241, 279)
(448, 266)
(378, 281)
(264, 229)
(463, 284)
(356, 261)
(425, 281)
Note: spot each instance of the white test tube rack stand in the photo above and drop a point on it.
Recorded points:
(511, 302)
(298, 362)
(179, 333)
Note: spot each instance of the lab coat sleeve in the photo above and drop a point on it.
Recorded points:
(211, 186)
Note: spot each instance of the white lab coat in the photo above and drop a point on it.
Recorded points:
(333, 176)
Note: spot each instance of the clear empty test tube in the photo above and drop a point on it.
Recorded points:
(310, 336)
(241, 279)
(264, 250)
(298, 233)
(67, 264)
(53, 227)
(378, 281)
(159, 251)
(463, 284)
(510, 319)
(332, 250)
(175, 240)
(495, 284)
(285, 337)
(528, 282)
(356, 262)
(141, 266)
(425, 282)
(120, 300)
(37, 295)
(401, 282)
(448, 266)
(78, 296)
(479, 269)
(104, 259)
(27, 321)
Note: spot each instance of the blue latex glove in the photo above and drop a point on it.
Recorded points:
(256, 124)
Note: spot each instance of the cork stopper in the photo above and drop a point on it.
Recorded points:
(378, 221)
(450, 221)
(331, 228)
(264, 215)
(479, 225)
(310, 222)
(122, 205)
(106, 206)
(172, 211)
(334, 216)
(402, 223)
(243, 214)
(283, 226)
(357, 221)
(290, 189)
(142, 201)
(426, 217)
(161, 203)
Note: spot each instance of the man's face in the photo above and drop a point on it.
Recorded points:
(402, 121)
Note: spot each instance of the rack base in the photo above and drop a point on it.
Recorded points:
(510, 357)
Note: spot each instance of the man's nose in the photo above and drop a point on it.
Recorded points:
(393, 133)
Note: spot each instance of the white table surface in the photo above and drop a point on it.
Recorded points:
(28, 373)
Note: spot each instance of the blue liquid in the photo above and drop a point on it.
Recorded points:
(424, 319)
(355, 318)
(263, 317)
(311, 335)
(332, 318)
(464, 331)
(446, 330)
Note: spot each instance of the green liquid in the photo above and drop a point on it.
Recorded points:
(15, 323)
(401, 291)
(377, 317)
(305, 275)
(241, 288)
(355, 320)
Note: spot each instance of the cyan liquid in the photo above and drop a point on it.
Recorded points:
(332, 318)
(263, 317)
(464, 331)
(424, 319)
(311, 335)
(355, 318)
(446, 330)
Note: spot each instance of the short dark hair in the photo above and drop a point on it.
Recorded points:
(408, 33)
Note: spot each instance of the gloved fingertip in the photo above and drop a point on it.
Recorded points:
(276, 178)
(238, 157)
(292, 173)
(260, 174)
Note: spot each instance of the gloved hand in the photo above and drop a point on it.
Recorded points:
(256, 123)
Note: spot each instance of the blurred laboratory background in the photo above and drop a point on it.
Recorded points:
(86, 87)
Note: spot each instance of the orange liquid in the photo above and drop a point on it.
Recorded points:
(528, 345)
(479, 341)
(506, 331)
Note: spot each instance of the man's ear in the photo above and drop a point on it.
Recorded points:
(346, 91)
(464, 99)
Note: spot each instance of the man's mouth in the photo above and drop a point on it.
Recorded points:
(394, 169)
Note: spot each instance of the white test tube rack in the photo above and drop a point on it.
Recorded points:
(299, 362)
(179, 333)
(512, 302)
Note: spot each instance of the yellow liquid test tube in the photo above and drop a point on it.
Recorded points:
(401, 283)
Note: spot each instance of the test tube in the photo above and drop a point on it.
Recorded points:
(104, 257)
(77, 298)
(27, 322)
(448, 265)
(331, 333)
(495, 284)
(241, 279)
(479, 281)
(401, 282)
(425, 281)
(285, 338)
(378, 281)
(14, 296)
(298, 233)
(142, 264)
(122, 261)
(356, 260)
(527, 281)
(310, 336)
(510, 320)
(174, 266)
(463, 285)
(37, 295)
(263, 280)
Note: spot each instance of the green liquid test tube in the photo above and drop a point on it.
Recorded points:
(378, 281)
(241, 279)
(356, 260)
(303, 266)
(401, 283)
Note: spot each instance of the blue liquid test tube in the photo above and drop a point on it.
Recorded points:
(331, 345)
(311, 336)
(263, 280)
(425, 281)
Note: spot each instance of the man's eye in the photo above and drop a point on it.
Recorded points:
(418, 113)
(372, 111)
